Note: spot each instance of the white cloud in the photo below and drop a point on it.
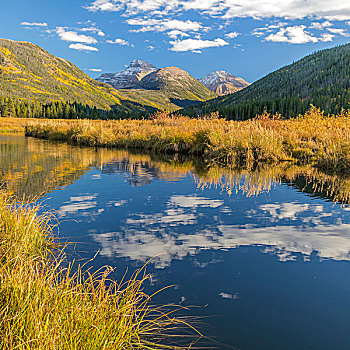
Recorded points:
(293, 35)
(338, 31)
(82, 47)
(99, 32)
(321, 26)
(119, 42)
(196, 45)
(104, 5)
(331, 10)
(157, 25)
(231, 35)
(94, 70)
(68, 35)
(174, 34)
(327, 37)
(268, 28)
(34, 24)
(150, 48)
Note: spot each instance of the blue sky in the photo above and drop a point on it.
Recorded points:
(248, 38)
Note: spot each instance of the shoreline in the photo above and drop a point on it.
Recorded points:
(313, 139)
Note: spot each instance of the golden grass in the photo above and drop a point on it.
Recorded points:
(313, 138)
(47, 305)
(10, 125)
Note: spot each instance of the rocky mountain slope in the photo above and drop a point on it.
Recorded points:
(321, 79)
(223, 83)
(130, 77)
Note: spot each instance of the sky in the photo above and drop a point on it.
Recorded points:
(248, 38)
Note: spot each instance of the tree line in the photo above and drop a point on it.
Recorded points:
(58, 110)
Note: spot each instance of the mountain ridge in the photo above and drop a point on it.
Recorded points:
(321, 79)
(170, 87)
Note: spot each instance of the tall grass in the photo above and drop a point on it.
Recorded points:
(312, 138)
(9, 125)
(45, 304)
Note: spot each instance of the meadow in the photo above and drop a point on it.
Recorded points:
(314, 138)
(47, 303)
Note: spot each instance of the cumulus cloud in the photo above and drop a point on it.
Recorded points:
(68, 35)
(34, 24)
(82, 47)
(327, 37)
(158, 25)
(195, 45)
(331, 10)
(174, 34)
(104, 5)
(339, 31)
(119, 42)
(293, 35)
(321, 26)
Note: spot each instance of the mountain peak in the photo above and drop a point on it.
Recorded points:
(178, 83)
(129, 77)
(136, 63)
(223, 83)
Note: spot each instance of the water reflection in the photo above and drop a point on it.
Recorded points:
(32, 168)
(204, 208)
(182, 228)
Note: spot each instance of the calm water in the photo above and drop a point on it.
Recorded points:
(265, 254)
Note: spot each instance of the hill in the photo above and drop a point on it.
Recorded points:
(223, 83)
(29, 72)
(321, 79)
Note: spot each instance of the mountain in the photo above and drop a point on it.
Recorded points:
(321, 79)
(223, 83)
(179, 85)
(129, 77)
(29, 72)
(169, 88)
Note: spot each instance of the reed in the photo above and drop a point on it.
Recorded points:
(47, 304)
(313, 138)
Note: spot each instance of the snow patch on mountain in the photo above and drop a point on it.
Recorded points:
(129, 77)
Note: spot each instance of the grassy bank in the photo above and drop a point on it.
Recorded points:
(313, 138)
(45, 305)
(15, 125)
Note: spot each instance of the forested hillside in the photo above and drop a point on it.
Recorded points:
(25, 108)
(321, 79)
(30, 74)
